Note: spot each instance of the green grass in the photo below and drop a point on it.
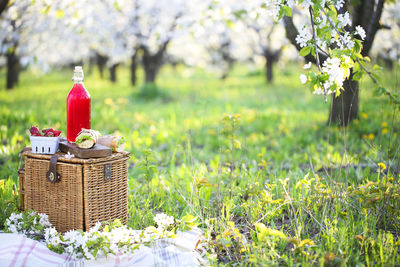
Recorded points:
(318, 187)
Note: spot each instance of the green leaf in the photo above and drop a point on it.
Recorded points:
(286, 11)
(379, 91)
(357, 46)
(357, 76)
(305, 51)
(377, 67)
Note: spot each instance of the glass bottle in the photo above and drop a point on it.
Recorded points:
(78, 106)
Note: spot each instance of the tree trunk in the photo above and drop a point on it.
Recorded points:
(270, 58)
(269, 67)
(344, 108)
(3, 5)
(151, 65)
(101, 62)
(12, 70)
(133, 69)
(113, 73)
(150, 73)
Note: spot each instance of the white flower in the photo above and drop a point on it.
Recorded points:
(290, 3)
(347, 42)
(13, 229)
(303, 78)
(303, 36)
(273, 8)
(119, 240)
(32, 213)
(319, 91)
(321, 42)
(360, 31)
(307, 66)
(163, 220)
(44, 220)
(339, 4)
(95, 228)
(69, 155)
(337, 74)
(306, 3)
(51, 236)
(343, 20)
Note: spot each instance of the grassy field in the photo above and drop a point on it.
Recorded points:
(269, 181)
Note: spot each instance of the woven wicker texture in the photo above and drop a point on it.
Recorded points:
(62, 201)
(106, 199)
(82, 197)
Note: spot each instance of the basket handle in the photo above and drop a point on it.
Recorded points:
(52, 175)
(25, 149)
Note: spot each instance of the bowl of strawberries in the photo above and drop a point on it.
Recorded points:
(44, 141)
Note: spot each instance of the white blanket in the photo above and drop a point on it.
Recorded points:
(17, 250)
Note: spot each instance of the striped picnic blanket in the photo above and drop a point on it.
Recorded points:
(17, 250)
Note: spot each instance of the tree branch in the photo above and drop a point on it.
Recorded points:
(291, 34)
(362, 13)
(373, 27)
(315, 47)
(392, 96)
(3, 5)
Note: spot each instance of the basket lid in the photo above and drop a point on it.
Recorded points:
(62, 157)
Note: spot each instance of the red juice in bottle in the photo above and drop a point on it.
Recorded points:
(78, 106)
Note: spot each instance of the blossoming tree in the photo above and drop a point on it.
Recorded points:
(338, 40)
(154, 24)
(265, 38)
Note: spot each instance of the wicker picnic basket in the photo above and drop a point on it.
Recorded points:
(75, 193)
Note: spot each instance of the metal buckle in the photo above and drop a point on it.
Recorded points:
(107, 171)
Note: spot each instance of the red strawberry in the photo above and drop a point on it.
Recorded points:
(35, 131)
(44, 131)
(57, 133)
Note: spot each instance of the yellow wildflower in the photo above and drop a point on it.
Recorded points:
(384, 131)
(384, 124)
(364, 115)
(359, 237)
(329, 257)
(211, 132)
(202, 181)
(382, 166)
(371, 136)
(108, 101)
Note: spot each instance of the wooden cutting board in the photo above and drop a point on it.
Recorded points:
(98, 151)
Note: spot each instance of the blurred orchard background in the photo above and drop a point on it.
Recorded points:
(43, 36)
(209, 99)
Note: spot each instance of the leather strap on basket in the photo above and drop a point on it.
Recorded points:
(52, 175)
